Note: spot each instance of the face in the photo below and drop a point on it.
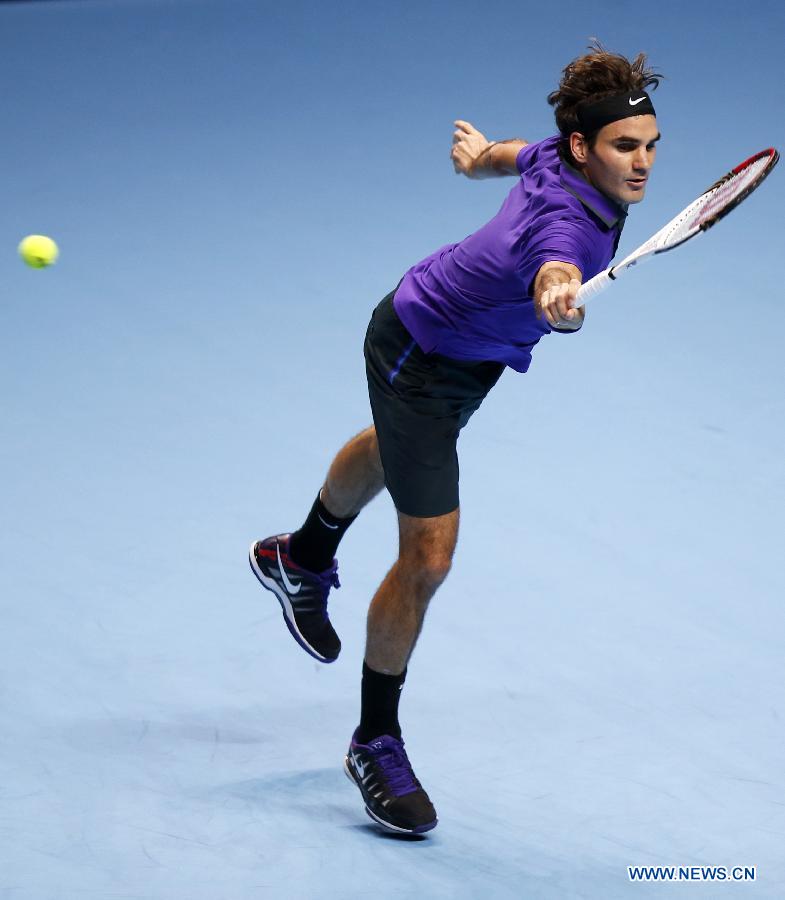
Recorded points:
(620, 161)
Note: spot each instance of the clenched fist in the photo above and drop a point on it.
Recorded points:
(557, 304)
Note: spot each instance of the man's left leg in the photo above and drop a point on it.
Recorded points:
(377, 761)
(397, 611)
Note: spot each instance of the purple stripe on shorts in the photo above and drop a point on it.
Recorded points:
(401, 360)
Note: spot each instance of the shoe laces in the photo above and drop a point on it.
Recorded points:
(327, 579)
(397, 769)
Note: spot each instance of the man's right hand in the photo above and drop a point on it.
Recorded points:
(556, 288)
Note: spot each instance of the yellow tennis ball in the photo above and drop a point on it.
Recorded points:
(38, 251)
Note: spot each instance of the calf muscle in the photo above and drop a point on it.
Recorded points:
(397, 611)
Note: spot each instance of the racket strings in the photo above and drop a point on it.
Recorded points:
(713, 203)
(715, 200)
(678, 229)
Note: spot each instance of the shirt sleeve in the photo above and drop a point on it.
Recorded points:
(564, 240)
(524, 157)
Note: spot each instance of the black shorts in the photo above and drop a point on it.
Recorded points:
(420, 402)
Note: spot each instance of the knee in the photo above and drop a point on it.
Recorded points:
(428, 566)
(437, 568)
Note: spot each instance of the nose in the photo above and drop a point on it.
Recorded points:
(642, 160)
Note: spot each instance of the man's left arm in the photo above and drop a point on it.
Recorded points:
(474, 156)
(556, 286)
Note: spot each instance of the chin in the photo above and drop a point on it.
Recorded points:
(634, 196)
(629, 196)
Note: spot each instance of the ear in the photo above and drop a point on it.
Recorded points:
(578, 147)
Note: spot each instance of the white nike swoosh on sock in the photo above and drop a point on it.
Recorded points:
(326, 523)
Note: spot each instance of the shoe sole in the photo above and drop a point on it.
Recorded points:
(388, 826)
(286, 607)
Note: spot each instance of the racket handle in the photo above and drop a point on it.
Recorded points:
(594, 286)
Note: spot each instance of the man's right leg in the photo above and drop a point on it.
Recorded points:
(300, 568)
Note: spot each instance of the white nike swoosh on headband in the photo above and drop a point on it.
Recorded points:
(636, 102)
(290, 586)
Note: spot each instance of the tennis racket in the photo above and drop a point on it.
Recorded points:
(712, 205)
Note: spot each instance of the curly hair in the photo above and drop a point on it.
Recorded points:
(596, 75)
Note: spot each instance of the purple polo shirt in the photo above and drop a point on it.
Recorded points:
(473, 300)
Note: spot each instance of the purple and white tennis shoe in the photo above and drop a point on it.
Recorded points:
(393, 796)
(302, 595)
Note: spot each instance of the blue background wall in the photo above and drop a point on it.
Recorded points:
(233, 186)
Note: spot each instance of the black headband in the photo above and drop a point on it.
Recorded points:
(593, 116)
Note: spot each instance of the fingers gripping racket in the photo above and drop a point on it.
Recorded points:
(715, 203)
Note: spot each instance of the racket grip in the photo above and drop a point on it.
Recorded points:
(593, 287)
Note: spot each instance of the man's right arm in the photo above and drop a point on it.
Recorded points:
(556, 287)
(474, 156)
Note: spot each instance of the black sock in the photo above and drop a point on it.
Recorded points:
(313, 546)
(379, 710)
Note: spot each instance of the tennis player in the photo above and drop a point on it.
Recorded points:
(434, 348)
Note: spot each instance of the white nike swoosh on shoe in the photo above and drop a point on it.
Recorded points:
(636, 102)
(326, 524)
(291, 587)
(358, 765)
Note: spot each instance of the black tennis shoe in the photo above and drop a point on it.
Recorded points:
(393, 796)
(302, 595)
